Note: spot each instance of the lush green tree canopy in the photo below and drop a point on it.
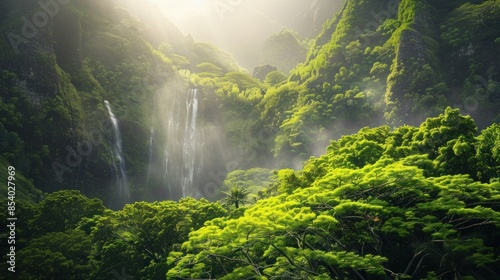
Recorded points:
(362, 211)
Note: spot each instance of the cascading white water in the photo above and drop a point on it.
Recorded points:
(189, 143)
(182, 154)
(151, 137)
(120, 170)
(150, 152)
(166, 175)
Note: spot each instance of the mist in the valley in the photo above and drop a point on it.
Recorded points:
(239, 27)
(188, 153)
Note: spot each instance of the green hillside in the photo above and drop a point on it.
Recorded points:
(385, 62)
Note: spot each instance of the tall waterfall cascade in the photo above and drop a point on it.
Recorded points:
(151, 145)
(182, 157)
(150, 152)
(118, 161)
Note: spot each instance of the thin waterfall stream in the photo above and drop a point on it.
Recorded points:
(120, 170)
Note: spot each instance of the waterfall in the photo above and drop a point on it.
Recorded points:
(150, 153)
(120, 170)
(182, 154)
(166, 174)
(150, 147)
(189, 143)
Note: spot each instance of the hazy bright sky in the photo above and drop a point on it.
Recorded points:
(237, 26)
(198, 16)
(182, 11)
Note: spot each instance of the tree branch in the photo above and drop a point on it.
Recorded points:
(293, 263)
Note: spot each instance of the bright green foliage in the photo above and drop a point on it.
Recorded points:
(388, 218)
(443, 145)
(376, 205)
(436, 132)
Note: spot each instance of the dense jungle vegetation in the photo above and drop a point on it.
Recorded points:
(377, 156)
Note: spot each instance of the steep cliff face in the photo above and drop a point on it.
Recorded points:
(394, 62)
(67, 37)
(470, 47)
(308, 23)
(415, 86)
